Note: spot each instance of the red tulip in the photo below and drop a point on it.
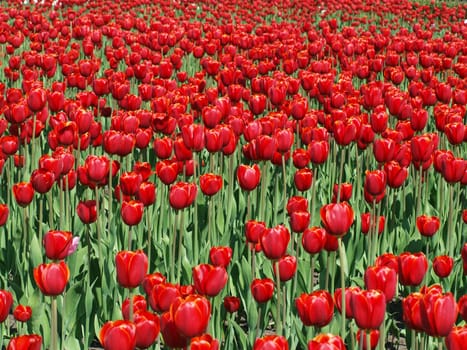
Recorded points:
(167, 171)
(22, 313)
(297, 203)
(4, 212)
(271, 342)
(254, 230)
(204, 342)
(59, 244)
(262, 289)
(303, 179)
(462, 306)
(412, 268)
(130, 182)
(368, 308)
(248, 176)
(231, 304)
(411, 311)
(131, 268)
(299, 221)
(457, 338)
(208, 279)
(337, 218)
(375, 182)
(119, 335)
(313, 239)
(162, 295)
(87, 211)
(326, 342)
(220, 256)
(287, 267)
(52, 278)
(147, 328)
(389, 260)
(442, 265)
(427, 225)
(146, 193)
(274, 242)
(6, 301)
(315, 309)
(382, 278)
(182, 195)
(132, 212)
(210, 183)
(23, 193)
(345, 192)
(9, 144)
(348, 296)
(139, 304)
(172, 338)
(367, 224)
(319, 151)
(193, 137)
(395, 174)
(439, 313)
(362, 340)
(195, 308)
(25, 342)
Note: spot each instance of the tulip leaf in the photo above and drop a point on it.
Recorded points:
(35, 251)
(71, 344)
(242, 336)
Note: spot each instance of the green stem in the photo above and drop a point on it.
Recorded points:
(368, 340)
(149, 228)
(130, 297)
(341, 170)
(180, 246)
(98, 226)
(54, 324)
(174, 245)
(342, 268)
(278, 304)
(449, 228)
(284, 187)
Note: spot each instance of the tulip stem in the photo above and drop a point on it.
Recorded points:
(180, 246)
(51, 210)
(98, 226)
(149, 228)
(312, 272)
(54, 331)
(130, 298)
(313, 195)
(279, 296)
(449, 230)
(258, 323)
(39, 223)
(343, 306)
(174, 245)
(368, 340)
(341, 170)
(362, 340)
(284, 189)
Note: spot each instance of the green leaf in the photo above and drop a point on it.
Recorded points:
(35, 251)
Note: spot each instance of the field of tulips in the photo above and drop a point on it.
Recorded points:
(233, 175)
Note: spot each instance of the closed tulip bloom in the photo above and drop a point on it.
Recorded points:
(6, 301)
(208, 279)
(210, 184)
(271, 342)
(131, 268)
(299, 221)
(375, 182)
(248, 176)
(362, 340)
(345, 192)
(262, 289)
(167, 171)
(25, 342)
(253, 230)
(382, 278)
(231, 304)
(439, 313)
(456, 339)
(172, 338)
(42, 180)
(195, 308)
(411, 313)
(464, 257)
(389, 260)
(427, 225)
(442, 265)
(313, 239)
(139, 304)
(132, 212)
(315, 309)
(319, 151)
(204, 342)
(303, 179)
(462, 306)
(337, 218)
(87, 211)
(412, 268)
(130, 182)
(326, 341)
(4, 212)
(396, 174)
(147, 328)
(22, 313)
(287, 267)
(274, 242)
(146, 193)
(367, 224)
(162, 295)
(297, 203)
(52, 278)
(368, 308)
(59, 244)
(118, 335)
(220, 256)
(23, 193)
(348, 295)
(182, 195)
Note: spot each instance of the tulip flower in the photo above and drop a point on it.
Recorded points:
(457, 338)
(210, 183)
(59, 244)
(442, 265)
(25, 342)
(412, 268)
(362, 338)
(162, 295)
(337, 218)
(368, 308)
(131, 268)
(313, 239)
(303, 179)
(262, 289)
(195, 308)
(139, 304)
(345, 192)
(272, 341)
(42, 180)
(462, 306)
(220, 256)
(52, 278)
(119, 335)
(326, 342)
(297, 203)
(130, 182)
(4, 212)
(23, 193)
(438, 313)
(208, 279)
(315, 309)
(146, 193)
(87, 211)
(182, 195)
(274, 242)
(348, 295)
(132, 212)
(254, 230)
(248, 176)
(427, 225)
(231, 304)
(204, 342)
(147, 328)
(383, 278)
(6, 301)
(172, 338)
(22, 313)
